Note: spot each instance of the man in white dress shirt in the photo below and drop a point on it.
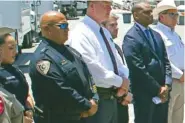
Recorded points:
(167, 14)
(111, 24)
(99, 52)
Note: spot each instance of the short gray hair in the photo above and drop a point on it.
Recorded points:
(112, 15)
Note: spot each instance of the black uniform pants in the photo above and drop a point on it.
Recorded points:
(107, 112)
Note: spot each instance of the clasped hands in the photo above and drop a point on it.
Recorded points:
(28, 117)
(123, 90)
(91, 111)
(163, 94)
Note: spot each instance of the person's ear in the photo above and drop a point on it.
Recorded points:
(161, 17)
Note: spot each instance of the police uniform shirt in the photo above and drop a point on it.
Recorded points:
(13, 80)
(86, 39)
(174, 47)
(49, 82)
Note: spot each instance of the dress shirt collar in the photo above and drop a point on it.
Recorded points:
(164, 27)
(141, 26)
(91, 23)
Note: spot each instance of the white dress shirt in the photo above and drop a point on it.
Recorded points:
(86, 39)
(174, 47)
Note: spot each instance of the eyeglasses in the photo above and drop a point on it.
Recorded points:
(63, 25)
(172, 15)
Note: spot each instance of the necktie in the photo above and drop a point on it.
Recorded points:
(151, 41)
(110, 51)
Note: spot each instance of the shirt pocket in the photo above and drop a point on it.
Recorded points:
(17, 107)
(170, 47)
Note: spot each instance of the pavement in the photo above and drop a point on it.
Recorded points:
(123, 28)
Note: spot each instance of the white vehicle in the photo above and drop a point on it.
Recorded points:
(19, 15)
(16, 15)
(81, 7)
(37, 9)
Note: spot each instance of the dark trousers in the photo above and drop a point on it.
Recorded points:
(148, 112)
(123, 116)
(107, 112)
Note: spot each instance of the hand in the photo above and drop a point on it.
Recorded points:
(27, 120)
(128, 99)
(30, 101)
(124, 87)
(29, 114)
(121, 92)
(164, 94)
(92, 111)
(182, 78)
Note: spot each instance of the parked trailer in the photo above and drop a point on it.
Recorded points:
(21, 16)
(16, 15)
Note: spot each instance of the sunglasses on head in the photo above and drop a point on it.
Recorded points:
(63, 25)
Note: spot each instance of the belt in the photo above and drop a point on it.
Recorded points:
(65, 115)
(106, 93)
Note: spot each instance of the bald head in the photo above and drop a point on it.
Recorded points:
(50, 27)
(142, 13)
(51, 17)
(139, 6)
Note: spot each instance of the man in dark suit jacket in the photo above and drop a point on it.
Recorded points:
(150, 71)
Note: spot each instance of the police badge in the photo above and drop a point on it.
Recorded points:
(43, 67)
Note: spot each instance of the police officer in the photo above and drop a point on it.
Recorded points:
(9, 106)
(61, 82)
(11, 78)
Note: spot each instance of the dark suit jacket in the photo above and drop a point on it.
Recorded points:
(149, 69)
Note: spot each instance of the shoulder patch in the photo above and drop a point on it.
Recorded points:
(43, 66)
